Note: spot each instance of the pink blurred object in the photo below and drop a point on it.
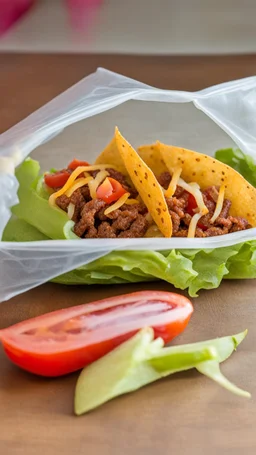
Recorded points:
(11, 11)
(82, 12)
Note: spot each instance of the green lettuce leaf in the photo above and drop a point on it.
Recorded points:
(244, 164)
(185, 269)
(142, 360)
(35, 209)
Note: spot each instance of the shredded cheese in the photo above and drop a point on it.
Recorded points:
(78, 183)
(195, 185)
(79, 170)
(132, 201)
(93, 184)
(71, 210)
(192, 225)
(195, 191)
(219, 204)
(173, 183)
(122, 200)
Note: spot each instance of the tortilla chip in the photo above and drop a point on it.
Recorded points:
(146, 184)
(207, 171)
(112, 156)
(151, 156)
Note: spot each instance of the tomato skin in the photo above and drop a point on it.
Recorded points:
(56, 180)
(110, 190)
(60, 364)
(76, 163)
(191, 206)
(64, 341)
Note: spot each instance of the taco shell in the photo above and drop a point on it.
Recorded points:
(207, 171)
(151, 156)
(112, 156)
(124, 158)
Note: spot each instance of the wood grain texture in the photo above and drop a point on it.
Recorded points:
(184, 414)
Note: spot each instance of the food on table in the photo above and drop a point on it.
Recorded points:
(64, 341)
(205, 197)
(142, 360)
(161, 191)
(119, 343)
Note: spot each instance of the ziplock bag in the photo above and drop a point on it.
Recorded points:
(80, 123)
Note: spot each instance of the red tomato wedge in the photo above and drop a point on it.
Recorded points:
(110, 190)
(76, 163)
(56, 180)
(64, 341)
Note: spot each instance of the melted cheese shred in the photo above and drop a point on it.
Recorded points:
(71, 210)
(193, 224)
(93, 184)
(78, 183)
(122, 200)
(195, 191)
(132, 201)
(219, 204)
(79, 170)
(173, 183)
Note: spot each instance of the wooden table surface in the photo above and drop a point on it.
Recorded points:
(184, 414)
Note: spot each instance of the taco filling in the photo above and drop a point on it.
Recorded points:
(205, 197)
(101, 202)
(184, 208)
(159, 191)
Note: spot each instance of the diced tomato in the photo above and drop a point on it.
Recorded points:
(202, 226)
(56, 180)
(75, 163)
(191, 206)
(110, 190)
(63, 341)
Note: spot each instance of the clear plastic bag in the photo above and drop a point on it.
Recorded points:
(80, 122)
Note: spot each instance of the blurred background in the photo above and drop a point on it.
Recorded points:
(168, 27)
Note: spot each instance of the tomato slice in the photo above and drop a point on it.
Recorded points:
(110, 190)
(75, 163)
(56, 180)
(63, 341)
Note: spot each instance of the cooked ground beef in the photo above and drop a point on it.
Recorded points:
(164, 179)
(86, 225)
(130, 221)
(184, 233)
(91, 222)
(137, 229)
(63, 202)
(178, 205)
(89, 217)
(212, 193)
(106, 231)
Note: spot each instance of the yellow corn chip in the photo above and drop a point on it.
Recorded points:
(151, 156)
(207, 171)
(111, 155)
(146, 184)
